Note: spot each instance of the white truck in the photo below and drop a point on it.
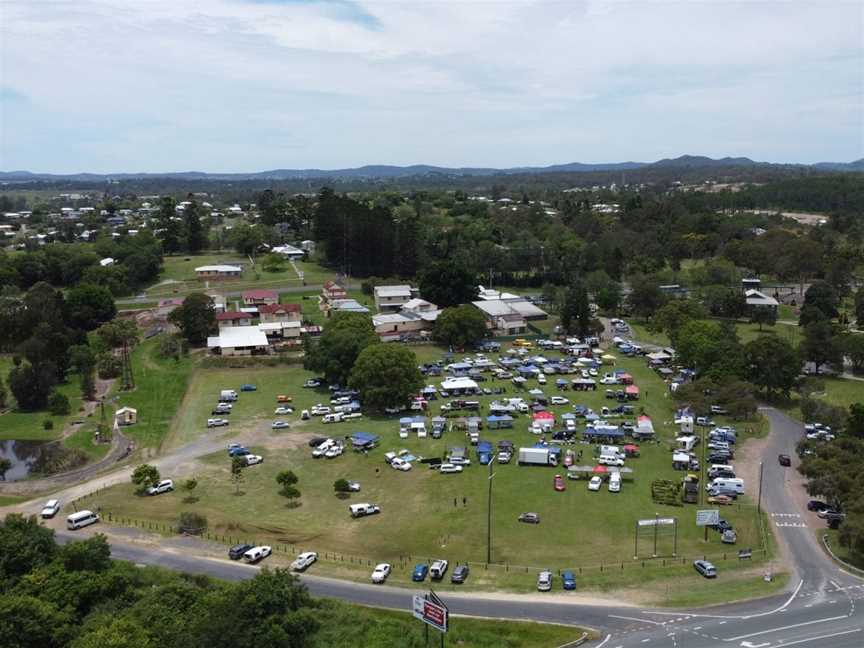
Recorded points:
(361, 510)
(536, 457)
(227, 395)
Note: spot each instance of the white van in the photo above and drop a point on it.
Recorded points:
(732, 483)
(615, 482)
(610, 460)
(81, 519)
(714, 469)
(611, 450)
(227, 395)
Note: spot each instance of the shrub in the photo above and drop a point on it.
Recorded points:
(108, 366)
(47, 424)
(58, 404)
(192, 523)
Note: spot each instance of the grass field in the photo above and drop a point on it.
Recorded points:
(423, 514)
(746, 332)
(27, 426)
(160, 386)
(349, 626)
(82, 439)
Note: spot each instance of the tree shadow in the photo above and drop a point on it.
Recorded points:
(191, 499)
(293, 504)
(343, 496)
(238, 493)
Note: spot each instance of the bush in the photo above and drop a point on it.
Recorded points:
(47, 424)
(192, 523)
(108, 366)
(58, 404)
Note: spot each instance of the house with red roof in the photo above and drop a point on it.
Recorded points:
(280, 313)
(260, 296)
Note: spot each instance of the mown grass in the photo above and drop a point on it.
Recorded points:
(746, 332)
(687, 593)
(159, 388)
(27, 426)
(348, 626)
(423, 513)
(82, 439)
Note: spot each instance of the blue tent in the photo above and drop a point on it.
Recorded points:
(498, 422)
(364, 440)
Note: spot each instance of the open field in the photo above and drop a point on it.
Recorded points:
(746, 332)
(160, 385)
(27, 426)
(352, 625)
(423, 513)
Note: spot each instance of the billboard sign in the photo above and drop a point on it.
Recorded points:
(707, 517)
(657, 522)
(433, 613)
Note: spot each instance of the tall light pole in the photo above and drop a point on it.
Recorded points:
(489, 516)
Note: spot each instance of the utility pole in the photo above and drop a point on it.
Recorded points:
(489, 516)
(759, 500)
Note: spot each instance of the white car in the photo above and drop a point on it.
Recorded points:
(541, 379)
(257, 553)
(595, 483)
(592, 373)
(51, 508)
(216, 422)
(380, 573)
(333, 451)
(304, 560)
(282, 410)
(323, 448)
(162, 487)
(400, 464)
(279, 425)
(559, 400)
(251, 459)
(459, 461)
(450, 468)
(353, 486)
(320, 410)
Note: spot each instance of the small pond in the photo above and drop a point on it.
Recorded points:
(24, 456)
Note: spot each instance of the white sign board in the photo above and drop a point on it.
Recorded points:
(430, 612)
(657, 522)
(707, 517)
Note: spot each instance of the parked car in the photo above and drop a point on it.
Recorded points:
(460, 574)
(312, 383)
(530, 518)
(304, 560)
(314, 442)
(162, 487)
(353, 486)
(829, 513)
(280, 425)
(216, 422)
(257, 554)
(544, 581)
(282, 410)
(334, 451)
(252, 459)
(248, 388)
(236, 552)
(595, 483)
(784, 460)
(220, 411)
(558, 484)
(51, 508)
(705, 568)
(568, 580)
(419, 573)
(438, 569)
(721, 526)
(398, 463)
(282, 398)
(816, 505)
(559, 400)
(729, 537)
(381, 572)
(449, 468)
(239, 451)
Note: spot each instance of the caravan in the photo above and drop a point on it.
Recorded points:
(733, 484)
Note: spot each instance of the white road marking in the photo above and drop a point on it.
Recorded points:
(828, 636)
(789, 627)
(602, 643)
(626, 618)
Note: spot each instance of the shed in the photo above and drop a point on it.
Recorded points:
(126, 416)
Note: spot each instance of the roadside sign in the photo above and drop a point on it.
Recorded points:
(432, 613)
(707, 517)
(657, 522)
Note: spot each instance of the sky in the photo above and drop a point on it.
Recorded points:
(249, 85)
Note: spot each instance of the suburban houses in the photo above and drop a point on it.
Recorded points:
(218, 271)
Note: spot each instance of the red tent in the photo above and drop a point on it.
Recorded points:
(600, 470)
(544, 416)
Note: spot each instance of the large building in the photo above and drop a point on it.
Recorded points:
(218, 271)
(238, 341)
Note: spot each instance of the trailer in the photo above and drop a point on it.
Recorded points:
(537, 457)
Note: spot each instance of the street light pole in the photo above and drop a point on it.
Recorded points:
(489, 516)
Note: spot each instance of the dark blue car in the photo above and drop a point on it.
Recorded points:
(420, 571)
(248, 388)
(238, 452)
(568, 580)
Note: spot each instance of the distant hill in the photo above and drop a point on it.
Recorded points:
(383, 171)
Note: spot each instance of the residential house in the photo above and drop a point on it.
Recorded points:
(332, 290)
(756, 299)
(280, 313)
(289, 252)
(259, 296)
(389, 299)
(218, 271)
(345, 306)
(415, 319)
(501, 319)
(239, 341)
(228, 319)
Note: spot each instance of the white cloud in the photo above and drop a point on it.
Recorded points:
(253, 84)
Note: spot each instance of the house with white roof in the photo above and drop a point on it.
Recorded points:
(218, 271)
(239, 341)
(757, 299)
(391, 298)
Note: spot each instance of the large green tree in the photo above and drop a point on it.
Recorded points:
(88, 306)
(763, 315)
(772, 364)
(822, 345)
(196, 318)
(196, 236)
(448, 283)
(344, 336)
(822, 295)
(645, 296)
(386, 375)
(576, 318)
(145, 476)
(711, 348)
(670, 317)
(460, 326)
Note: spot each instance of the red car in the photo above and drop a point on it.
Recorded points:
(559, 483)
